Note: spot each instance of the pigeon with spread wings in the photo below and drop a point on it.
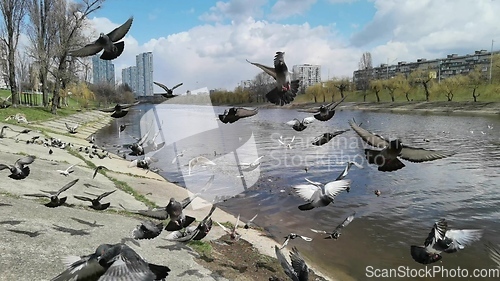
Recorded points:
(324, 112)
(169, 93)
(442, 239)
(298, 125)
(20, 169)
(233, 233)
(286, 89)
(55, 201)
(71, 129)
(111, 262)
(96, 202)
(318, 194)
(292, 236)
(236, 113)
(108, 42)
(387, 158)
(335, 234)
(119, 110)
(298, 270)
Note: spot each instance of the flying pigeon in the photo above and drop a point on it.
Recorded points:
(147, 230)
(111, 262)
(199, 161)
(335, 234)
(236, 113)
(318, 194)
(326, 137)
(347, 168)
(247, 167)
(97, 170)
(119, 110)
(387, 158)
(168, 92)
(193, 232)
(494, 253)
(55, 201)
(178, 155)
(19, 170)
(250, 222)
(298, 125)
(293, 236)
(298, 270)
(71, 129)
(324, 112)
(233, 233)
(96, 203)
(441, 239)
(162, 213)
(68, 171)
(142, 163)
(108, 42)
(286, 89)
(288, 144)
(178, 219)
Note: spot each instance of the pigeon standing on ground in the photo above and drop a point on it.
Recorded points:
(55, 201)
(298, 270)
(441, 239)
(236, 113)
(147, 230)
(19, 170)
(119, 110)
(71, 129)
(111, 262)
(335, 234)
(318, 194)
(108, 42)
(169, 93)
(298, 125)
(286, 89)
(96, 203)
(292, 236)
(387, 158)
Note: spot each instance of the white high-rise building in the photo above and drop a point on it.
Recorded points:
(144, 63)
(308, 74)
(103, 71)
(129, 77)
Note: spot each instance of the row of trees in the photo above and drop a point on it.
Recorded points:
(53, 27)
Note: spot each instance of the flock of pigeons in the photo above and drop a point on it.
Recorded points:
(120, 262)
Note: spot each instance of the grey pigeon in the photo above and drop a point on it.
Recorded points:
(147, 230)
(233, 233)
(96, 202)
(292, 236)
(236, 113)
(335, 234)
(164, 213)
(286, 89)
(71, 129)
(97, 169)
(119, 110)
(194, 232)
(250, 222)
(299, 125)
(387, 158)
(55, 201)
(2, 134)
(324, 112)
(298, 270)
(169, 93)
(318, 194)
(344, 173)
(111, 262)
(108, 42)
(178, 219)
(326, 137)
(19, 170)
(441, 239)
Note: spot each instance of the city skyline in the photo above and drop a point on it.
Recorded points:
(140, 77)
(103, 71)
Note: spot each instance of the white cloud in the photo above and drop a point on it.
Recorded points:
(287, 8)
(237, 10)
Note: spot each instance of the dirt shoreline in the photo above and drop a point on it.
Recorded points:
(19, 250)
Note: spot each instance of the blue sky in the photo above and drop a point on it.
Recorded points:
(205, 43)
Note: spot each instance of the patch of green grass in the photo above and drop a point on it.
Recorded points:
(8, 194)
(227, 224)
(125, 187)
(201, 247)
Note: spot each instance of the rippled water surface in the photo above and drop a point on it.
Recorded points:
(464, 189)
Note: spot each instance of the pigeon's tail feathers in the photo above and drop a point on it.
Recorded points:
(306, 207)
(420, 255)
(372, 155)
(160, 271)
(384, 164)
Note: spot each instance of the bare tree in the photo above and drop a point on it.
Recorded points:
(422, 77)
(69, 22)
(365, 66)
(261, 85)
(13, 12)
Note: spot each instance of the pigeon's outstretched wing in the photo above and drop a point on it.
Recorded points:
(267, 69)
(422, 155)
(370, 138)
(120, 32)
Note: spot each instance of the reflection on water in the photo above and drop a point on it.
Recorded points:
(461, 189)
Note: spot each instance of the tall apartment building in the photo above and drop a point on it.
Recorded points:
(308, 74)
(103, 71)
(440, 68)
(144, 63)
(129, 77)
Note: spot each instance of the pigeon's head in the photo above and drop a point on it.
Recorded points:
(420, 255)
(396, 145)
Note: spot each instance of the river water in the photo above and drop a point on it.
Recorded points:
(462, 189)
